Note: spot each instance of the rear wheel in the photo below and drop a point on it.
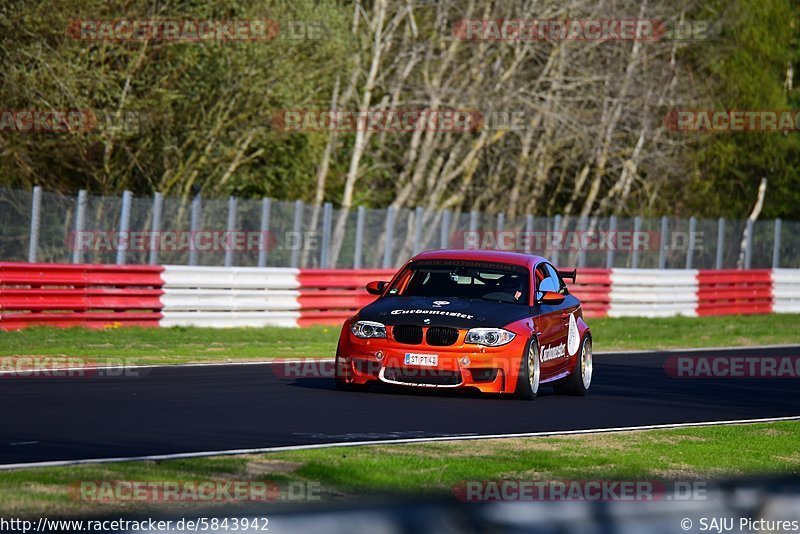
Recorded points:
(581, 378)
(530, 373)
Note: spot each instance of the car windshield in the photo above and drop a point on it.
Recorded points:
(500, 283)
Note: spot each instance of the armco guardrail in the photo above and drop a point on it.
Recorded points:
(653, 293)
(786, 290)
(230, 296)
(79, 295)
(732, 292)
(593, 287)
(329, 296)
(100, 295)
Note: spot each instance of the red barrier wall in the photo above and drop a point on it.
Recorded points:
(329, 296)
(732, 292)
(79, 295)
(101, 295)
(593, 288)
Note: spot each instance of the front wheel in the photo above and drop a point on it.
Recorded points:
(581, 378)
(341, 383)
(530, 373)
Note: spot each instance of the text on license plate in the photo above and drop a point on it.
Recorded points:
(428, 360)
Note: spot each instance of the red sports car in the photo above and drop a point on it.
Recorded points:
(498, 322)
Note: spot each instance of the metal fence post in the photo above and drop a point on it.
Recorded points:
(612, 228)
(80, 221)
(324, 253)
(720, 241)
(776, 245)
(692, 237)
(444, 235)
(748, 244)
(637, 227)
(297, 228)
(36, 223)
(194, 226)
(387, 247)
(583, 225)
(473, 221)
(528, 233)
(663, 243)
(231, 226)
(501, 223)
(419, 218)
(155, 227)
(360, 214)
(264, 242)
(556, 229)
(124, 225)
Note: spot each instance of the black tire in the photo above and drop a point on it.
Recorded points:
(528, 381)
(343, 385)
(578, 382)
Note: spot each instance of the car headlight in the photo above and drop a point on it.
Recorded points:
(368, 329)
(491, 337)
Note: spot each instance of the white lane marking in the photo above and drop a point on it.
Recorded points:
(15, 443)
(700, 349)
(165, 365)
(231, 452)
(301, 360)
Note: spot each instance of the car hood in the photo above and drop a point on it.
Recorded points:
(442, 311)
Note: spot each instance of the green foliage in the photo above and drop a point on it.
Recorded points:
(197, 103)
(745, 65)
(204, 110)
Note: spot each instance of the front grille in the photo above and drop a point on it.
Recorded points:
(408, 334)
(431, 377)
(442, 336)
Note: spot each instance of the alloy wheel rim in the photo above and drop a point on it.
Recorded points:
(586, 364)
(533, 369)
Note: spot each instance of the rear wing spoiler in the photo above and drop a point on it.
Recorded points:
(568, 274)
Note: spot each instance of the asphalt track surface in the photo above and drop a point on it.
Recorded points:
(171, 410)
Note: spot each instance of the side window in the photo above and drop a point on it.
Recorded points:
(548, 279)
(553, 274)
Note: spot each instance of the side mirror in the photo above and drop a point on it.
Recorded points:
(551, 297)
(376, 288)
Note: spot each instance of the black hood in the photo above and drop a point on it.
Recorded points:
(455, 312)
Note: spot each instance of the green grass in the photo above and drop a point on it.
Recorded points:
(434, 468)
(183, 345)
(675, 454)
(629, 333)
(172, 345)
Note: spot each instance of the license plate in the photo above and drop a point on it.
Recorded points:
(425, 360)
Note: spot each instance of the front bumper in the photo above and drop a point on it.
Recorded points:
(488, 369)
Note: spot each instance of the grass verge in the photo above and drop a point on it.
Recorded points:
(432, 468)
(185, 345)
